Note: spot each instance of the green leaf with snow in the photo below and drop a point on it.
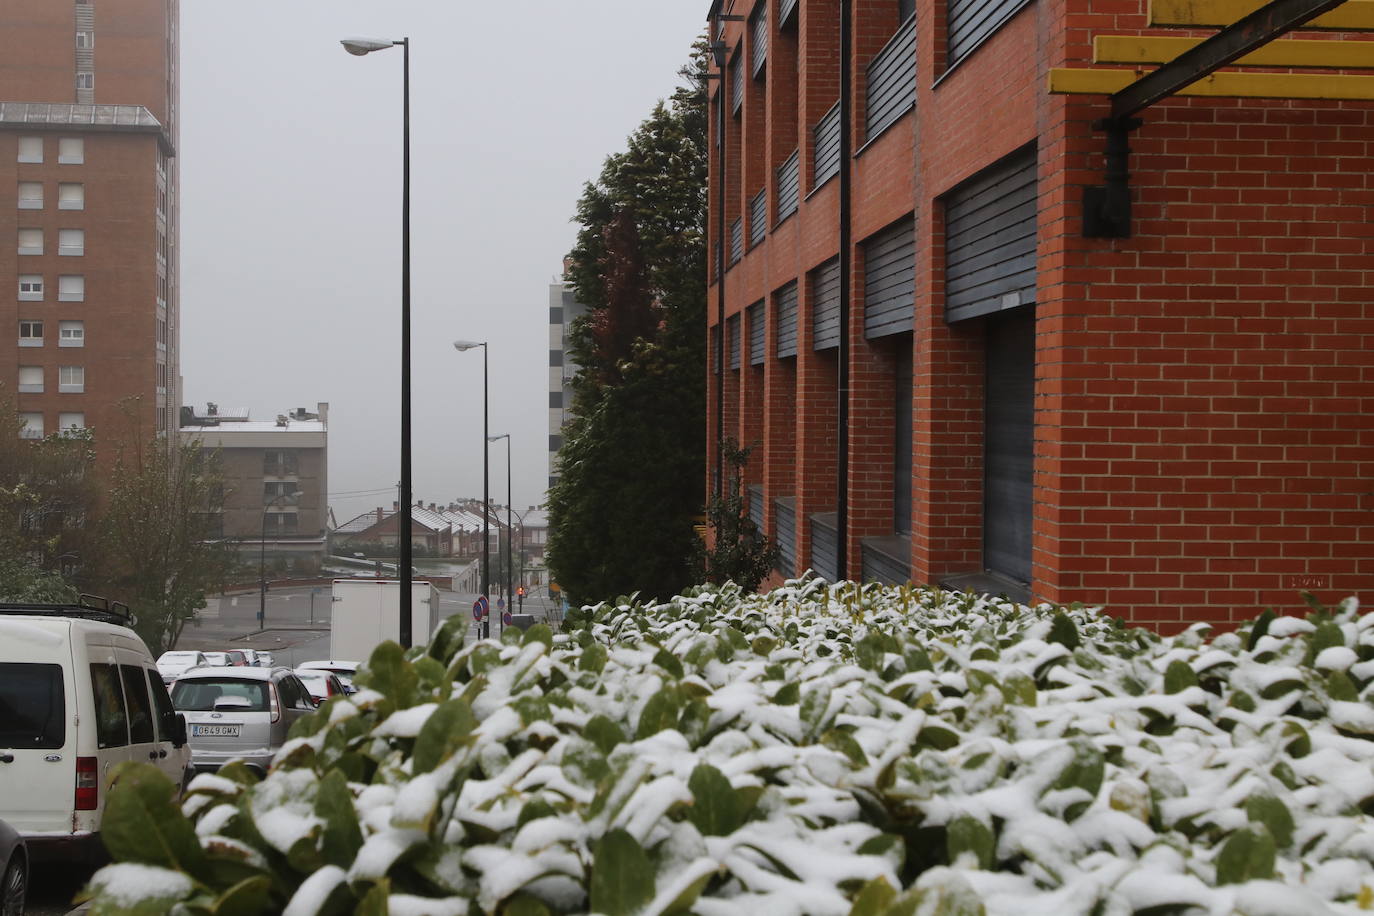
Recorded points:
(1247, 855)
(1273, 814)
(622, 876)
(715, 809)
(143, 823)
(874, 898)
(341, 837)
(967, 835)
(448, 728)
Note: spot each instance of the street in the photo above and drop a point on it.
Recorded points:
(297, 631)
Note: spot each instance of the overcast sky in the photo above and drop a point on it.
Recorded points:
(290, 155)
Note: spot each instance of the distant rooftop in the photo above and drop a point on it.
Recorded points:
(64, 114)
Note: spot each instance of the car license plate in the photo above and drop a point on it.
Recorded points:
(215, 731)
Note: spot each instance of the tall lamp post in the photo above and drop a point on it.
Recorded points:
(462, 346)
(361, 46)
(262, 556)
(510, 532)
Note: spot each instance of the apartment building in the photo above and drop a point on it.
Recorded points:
(275, 477)
(564, 309)
(88, 183)
(998, 314)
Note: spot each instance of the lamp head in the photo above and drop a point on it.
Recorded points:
(498, 438)
(461, 345)
(719, 52)
(361, 46)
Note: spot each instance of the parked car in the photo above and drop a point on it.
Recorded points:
(239, 713)
(79, 694)
(238, 658)
(217, 659)
(14, 871)
(321, 684)
(172, 664)
(265, 659)
(345, 671)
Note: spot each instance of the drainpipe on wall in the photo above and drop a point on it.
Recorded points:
(842, 471)
(722, 152)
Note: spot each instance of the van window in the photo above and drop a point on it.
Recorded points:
(111, 720)
(199, 694)
(33, 706)
(162, 703)
(140, 707)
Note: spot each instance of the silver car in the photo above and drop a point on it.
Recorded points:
(239, 713)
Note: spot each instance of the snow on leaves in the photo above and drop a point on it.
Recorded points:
(846, 750)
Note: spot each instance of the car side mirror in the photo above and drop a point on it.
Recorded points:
(174, 725)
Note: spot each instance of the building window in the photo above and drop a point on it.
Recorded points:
(85, 80)
(30, 195)
(280, 463)
(30, 379)
(71, 195)
(71, 242)
(30, 149)
(279, 522)
(71, 421)
(71, 288)
(71, 150)
(281, 493)
(30, 288)
(85, 39)
(71, 379)
(71, 334)
(30, 241)
(30, 333)
(33, 426)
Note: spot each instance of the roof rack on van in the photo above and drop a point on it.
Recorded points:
(88, 607)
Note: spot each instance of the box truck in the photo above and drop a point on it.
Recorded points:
(367, 612)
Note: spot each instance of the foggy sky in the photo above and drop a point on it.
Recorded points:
(290, 156)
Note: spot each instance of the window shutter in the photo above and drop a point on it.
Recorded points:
(758, 339)
(787, 320)
(825, 305)
(30, 149)
(891, 83)
(789, 187)
(990, 239)
(969, 22)
(827, 147)
(889, 280)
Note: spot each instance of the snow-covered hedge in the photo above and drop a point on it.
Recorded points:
(819, 749)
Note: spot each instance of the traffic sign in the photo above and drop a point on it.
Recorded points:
(500, 604)
(520, 590)
(506, 619)
(480, 607)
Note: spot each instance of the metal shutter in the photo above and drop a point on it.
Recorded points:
(787, 320)
(732, 339)
(758, 35)
(789, 187)
(825, 305)
(990, 240)
(785, 10)
(891, 83)
(736, 240)
(825, 551)
(785, 520)
(881, 566)
(890, 280)
(827, 147)
(736, 82)
(755, 495)
(970, 21)
(758, 340)
(758, 217)
(1009, 444)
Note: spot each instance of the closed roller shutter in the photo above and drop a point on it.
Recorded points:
(758, 217)
(789, 187)
(827, 147)
(971, 21)
(891, 85)
(787, 320)
(1009, 444)
(759, 36)
(825, 546)
(737, 82)
(990, 240)
(732, 341)
(890, 280)
(825, 305)
(758, 339)
(785, 521)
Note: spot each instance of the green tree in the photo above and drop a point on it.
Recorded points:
(631, 482)
(739, 552)
(159, 557)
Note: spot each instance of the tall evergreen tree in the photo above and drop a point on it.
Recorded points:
(631, 482)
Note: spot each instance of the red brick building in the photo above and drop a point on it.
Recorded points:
(947, 380)
(88, 193)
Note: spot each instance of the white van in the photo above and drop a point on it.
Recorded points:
(79, 694)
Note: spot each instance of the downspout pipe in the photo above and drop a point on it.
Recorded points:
(846, 271)
(717, 483)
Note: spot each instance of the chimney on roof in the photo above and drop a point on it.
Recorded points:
(395, 506)
(282, 420)
(379, 513)
(431, 507)
(211, 408)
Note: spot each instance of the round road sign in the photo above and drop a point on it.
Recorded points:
(500, 604)
(506, 618)
(480, 607)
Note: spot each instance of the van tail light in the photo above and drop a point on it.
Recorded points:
(276, 704)
(87, 784)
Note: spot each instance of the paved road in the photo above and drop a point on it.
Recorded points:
(297, 631)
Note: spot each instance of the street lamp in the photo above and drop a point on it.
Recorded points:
(361, 46)
(510, 532)
(262, 556)
(463, 346)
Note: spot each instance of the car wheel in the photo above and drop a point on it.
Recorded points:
(13, 888)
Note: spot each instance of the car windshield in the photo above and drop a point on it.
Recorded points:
(236, 656)
(200, 694)
(217, 658)
(315, 681)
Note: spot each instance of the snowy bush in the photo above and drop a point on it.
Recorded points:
(819, 749)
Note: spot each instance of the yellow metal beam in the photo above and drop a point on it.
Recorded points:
(1282, 52)
(1351, 16)
(1333, 86)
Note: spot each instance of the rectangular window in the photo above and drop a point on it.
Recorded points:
(280, 493)
(85, 39)
(31, 379)
(111, 718)
(30, 241)
(71, 379)
(280, 522)
(33, 426)
(30, 149)
(140, 706)
(30, 333)
(71, 288)
(85, 80)
(71, 242)
(30, 195)
(71, 334)
(71, 195)
(68, 421)
(71, 151)
(30, 288)
(36, 706)
(280, 463)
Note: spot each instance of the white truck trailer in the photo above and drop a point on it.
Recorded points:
(367, 612)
